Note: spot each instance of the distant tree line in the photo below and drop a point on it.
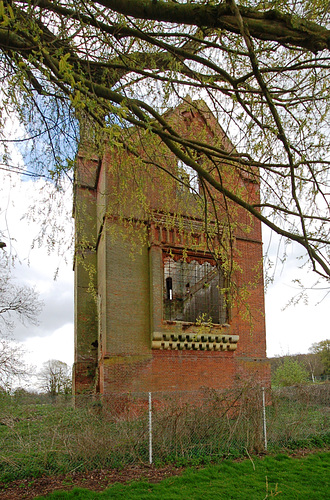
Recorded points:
(300, 368)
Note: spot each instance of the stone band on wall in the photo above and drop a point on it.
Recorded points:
(194, 342)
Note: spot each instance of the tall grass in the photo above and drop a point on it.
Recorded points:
(41, 436)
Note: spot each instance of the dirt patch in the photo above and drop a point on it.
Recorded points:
(98, 480)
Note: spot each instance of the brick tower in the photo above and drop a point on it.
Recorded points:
(152, 304)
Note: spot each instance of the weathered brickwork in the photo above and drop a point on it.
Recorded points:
(129, 219)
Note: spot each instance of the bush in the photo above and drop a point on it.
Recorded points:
(290, 372)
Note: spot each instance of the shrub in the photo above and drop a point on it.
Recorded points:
(290, 372)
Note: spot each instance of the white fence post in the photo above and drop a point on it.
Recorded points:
(150, 429)
(264, 416)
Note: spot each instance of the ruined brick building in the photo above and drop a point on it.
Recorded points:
(151, 302)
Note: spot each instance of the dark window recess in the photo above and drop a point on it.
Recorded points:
(169, 289)
(193, 292)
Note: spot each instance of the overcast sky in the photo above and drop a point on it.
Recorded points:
(37, 267)
(292, 330)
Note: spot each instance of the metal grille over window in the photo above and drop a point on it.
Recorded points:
(193, 291)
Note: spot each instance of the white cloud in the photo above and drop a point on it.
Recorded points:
(57, 345)
(293, 329)
(57, 297)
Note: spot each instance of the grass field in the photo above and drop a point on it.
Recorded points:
(280, 476)
(39, 437)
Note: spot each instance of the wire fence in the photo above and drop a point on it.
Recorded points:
(65, 433)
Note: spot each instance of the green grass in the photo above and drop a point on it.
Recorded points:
(281, 476)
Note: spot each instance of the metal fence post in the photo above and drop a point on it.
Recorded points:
(150, 429)
(264, 416)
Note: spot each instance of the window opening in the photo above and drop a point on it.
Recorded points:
(169, 288)
(193, 292)
(188, 177)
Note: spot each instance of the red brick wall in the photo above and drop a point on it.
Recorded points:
(185, 371)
